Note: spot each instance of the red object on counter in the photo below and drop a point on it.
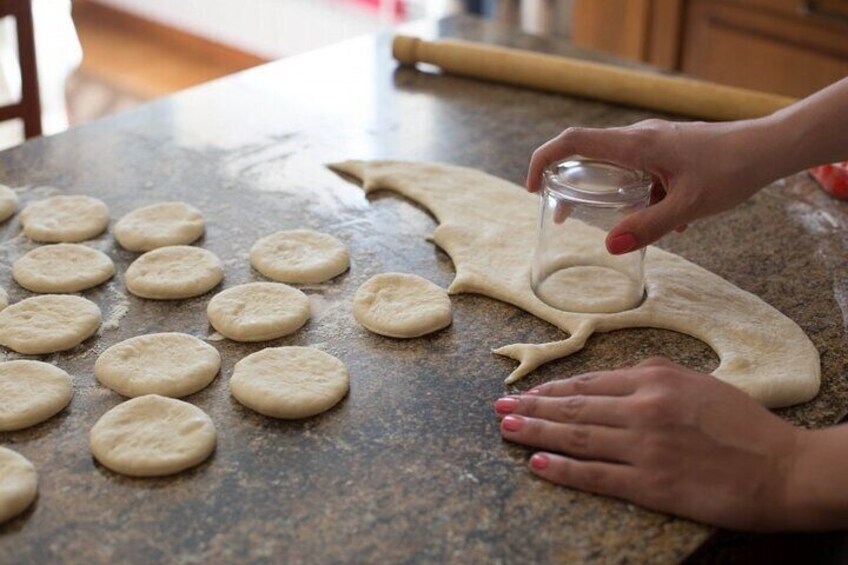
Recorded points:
(833, 179)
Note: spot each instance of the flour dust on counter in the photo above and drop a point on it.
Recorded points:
(159, 225)
(300, 256)
(65, 219)
(174, 272)
(62, 268)
(18, 484)
(31, 392)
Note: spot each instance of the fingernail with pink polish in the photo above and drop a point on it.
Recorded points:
(539, 461)
(512, 423)
(506, 405)
(622, 243)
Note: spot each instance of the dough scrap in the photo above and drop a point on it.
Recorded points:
(485, 224)
(8, 202)
(18, 484)
(174, 272)
(48, 323)
(31, 392)
(168, 364)
(289, 382)
(159, 225)
(401, 305)
(300, 256)
(258, 311)
(65, 218)
(62, 267)
(153, 436)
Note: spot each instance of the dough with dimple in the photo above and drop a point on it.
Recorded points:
(8, 202)
(401, 305)
(300, 256)
(63, 267)
(168, 364)
(65, 219)
(18, 484)
(258, 311)
(289, 382)
(48, 323)
(31, 392)
(152, 436)
(174, 272)
(159, 225)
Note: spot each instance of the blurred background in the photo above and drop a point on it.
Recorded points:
(96, 57)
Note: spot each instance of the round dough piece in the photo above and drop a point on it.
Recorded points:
(31, 392)
(169, 364)
(159, 225)
(18, 484)
(300, 256)
(4, 298)
(63, 267)
(401, 305)
(48, 323)
(174, 272)
(289, 382)
(258, 311)
(152, 436)
(8, 202)
(65, 219)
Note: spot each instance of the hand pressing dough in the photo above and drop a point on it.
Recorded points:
(486, 225)
(300, 256)
(18, 484)
(159, 225)
(258, 311)
(63, 267)
(8, 202)
(401, 305)
(174, 272)
(289, 382)
(48, 323)
(168, 364)
(152, 436)
(65, 219)
(31, 392)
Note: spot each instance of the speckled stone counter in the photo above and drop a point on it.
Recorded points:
(410, 467)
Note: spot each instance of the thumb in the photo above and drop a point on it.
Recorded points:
(644, 227)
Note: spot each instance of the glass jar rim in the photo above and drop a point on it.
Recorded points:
(586, 180)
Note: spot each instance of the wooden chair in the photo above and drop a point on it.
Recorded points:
(29, 108)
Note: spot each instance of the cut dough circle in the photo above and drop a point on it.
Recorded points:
(174, 272)
(48, 323)
(63, 267)
(258, 311)
(289, 382)
(18, 484)
(4, 298)
(8, 202)
(300, 256)
(159, 225)
(65, 219)
(401, 305)
(31, 392)
(153, 436)
(168, 364)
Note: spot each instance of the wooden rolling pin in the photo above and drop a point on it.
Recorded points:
(565, 75)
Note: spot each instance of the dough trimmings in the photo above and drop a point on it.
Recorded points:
(62, 267)
(159, 225)
(258, 311)
(152, 436)
(174, 272)
(8, 202)
(48, 323)
(31, 392)
(66, 219)
(289, 382)
(168, 364)
(18, 484)
(300, 256)
(401, 305)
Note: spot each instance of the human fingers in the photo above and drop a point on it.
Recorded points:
(579, 409)
(561, 212)
(646, 226)
(604, 383)
(610, 479)
(586, 441)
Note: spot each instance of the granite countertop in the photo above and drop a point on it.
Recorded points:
(411, 465)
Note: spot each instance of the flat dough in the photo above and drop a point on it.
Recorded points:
(65, 219)
(63, 267)
(174, 272)
(31, 392)
(8, 202)
(300, 256)
(168, 364)
(401, 305)
(153, 436)
(48, 323)
(289, 382)
(258, 311)
(18, 484)
(4, 298)
(485, 224)
(159, 225)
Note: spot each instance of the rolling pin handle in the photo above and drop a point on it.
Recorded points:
(405, 49)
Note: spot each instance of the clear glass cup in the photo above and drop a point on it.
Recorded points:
(572, 269)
